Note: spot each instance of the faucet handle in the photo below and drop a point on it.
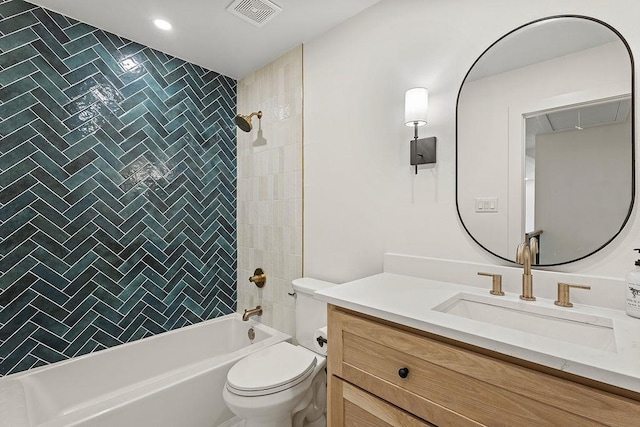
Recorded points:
(496, 283)
(563, 293)
(520, 253)
(259, 277)
(534, 245)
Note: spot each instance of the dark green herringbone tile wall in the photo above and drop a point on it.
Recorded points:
(117, 190)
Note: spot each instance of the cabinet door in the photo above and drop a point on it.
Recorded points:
(353, 407)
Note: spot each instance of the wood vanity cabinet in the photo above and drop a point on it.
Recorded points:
(384, 374)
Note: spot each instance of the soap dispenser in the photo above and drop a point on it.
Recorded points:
(633, 290)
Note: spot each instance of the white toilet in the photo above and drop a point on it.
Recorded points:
(284, 384)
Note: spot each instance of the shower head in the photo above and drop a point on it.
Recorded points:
(244, 122)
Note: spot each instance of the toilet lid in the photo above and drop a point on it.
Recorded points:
(270, 370)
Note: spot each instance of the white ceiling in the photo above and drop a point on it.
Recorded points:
(578, 117)
(205, 33)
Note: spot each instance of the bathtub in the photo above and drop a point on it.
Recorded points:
(171, 379)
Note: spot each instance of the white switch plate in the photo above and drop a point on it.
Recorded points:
(486, 204)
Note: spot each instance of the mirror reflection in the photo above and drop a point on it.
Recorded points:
(545, 141)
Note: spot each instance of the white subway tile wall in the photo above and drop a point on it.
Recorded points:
(270, 188)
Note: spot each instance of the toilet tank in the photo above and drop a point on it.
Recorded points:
(311, 313)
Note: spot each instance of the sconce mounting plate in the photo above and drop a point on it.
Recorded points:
(423, 151)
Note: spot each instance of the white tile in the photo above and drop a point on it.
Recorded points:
(280, 219)
(292, 266)
(278, 263)
(255, 236)
(255, 188)
(297, 246)
(241, 214)
(267, 312)
(291, 210)
(245, 257)
(290, 158)
(270, 188)
(284, 319)
(276, 235)
(265, 212)
(262, 183)
(298, 159)
(297, 214)
(297, 185)
(278, 241)
(278, 183)
(288, 240)
(297, 132)
(242, 234)
(270, 286)
(258, 257)
(273, 161)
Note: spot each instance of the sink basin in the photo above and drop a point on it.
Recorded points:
(562, 324)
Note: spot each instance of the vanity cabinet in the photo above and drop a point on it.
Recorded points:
(382, 374)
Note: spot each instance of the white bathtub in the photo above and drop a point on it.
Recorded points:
(174, 379)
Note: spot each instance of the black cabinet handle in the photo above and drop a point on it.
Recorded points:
(403, 372)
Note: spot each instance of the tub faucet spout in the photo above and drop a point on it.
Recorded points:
(253, 312)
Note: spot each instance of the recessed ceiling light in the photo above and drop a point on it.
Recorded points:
(162, 24)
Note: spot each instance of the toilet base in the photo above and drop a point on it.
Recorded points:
(234, 422)
(239, 422)
(320, 422)
(285, 422)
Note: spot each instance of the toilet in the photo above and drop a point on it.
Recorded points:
(284, 384)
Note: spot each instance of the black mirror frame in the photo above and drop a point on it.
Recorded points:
(633, 135)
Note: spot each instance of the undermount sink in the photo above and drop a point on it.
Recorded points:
(569, 326)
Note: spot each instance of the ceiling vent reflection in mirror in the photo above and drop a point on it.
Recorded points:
(257, 12)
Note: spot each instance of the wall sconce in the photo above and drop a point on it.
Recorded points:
(416, 103)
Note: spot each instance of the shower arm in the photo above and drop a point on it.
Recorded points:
(256, 113)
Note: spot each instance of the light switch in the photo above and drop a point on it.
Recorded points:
(487, 204)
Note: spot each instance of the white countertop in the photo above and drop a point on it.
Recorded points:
(410, 301)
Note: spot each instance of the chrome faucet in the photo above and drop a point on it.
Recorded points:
(525, 252)
(253, 312)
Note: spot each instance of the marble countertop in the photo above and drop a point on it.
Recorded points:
(411, 301)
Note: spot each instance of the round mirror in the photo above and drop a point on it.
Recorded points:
(544, 146)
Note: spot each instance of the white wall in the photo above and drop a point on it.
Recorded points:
(270, 188)
(361, 196)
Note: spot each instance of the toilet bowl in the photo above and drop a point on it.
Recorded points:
(269, 387)
(284, 385)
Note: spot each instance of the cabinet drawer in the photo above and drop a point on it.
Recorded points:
(445, 380)
(357, 408)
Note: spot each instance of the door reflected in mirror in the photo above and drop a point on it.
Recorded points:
(545, 132)
(577, 160)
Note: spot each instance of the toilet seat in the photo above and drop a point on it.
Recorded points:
(271, 370)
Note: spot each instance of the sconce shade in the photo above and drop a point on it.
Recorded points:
(416, 104)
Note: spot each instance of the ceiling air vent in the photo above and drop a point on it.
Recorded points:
(257, 12)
